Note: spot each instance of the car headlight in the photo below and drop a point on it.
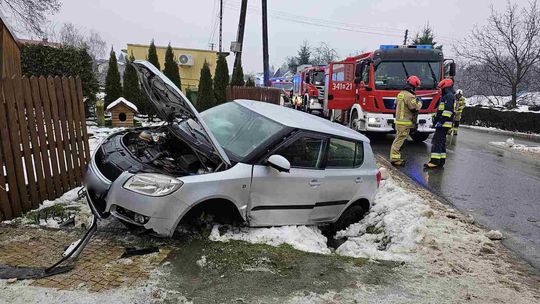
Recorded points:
(153, 184)
(373, 120)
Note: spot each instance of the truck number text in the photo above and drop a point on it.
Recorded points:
(342, 86)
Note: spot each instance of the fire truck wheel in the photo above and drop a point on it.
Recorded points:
(419, 136)
(354, 120)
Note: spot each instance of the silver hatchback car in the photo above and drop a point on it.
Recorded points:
(266, 164)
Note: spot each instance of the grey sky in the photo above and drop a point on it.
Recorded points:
(189, 23)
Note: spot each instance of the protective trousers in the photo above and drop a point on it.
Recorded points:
(401, 135)
(438, 147)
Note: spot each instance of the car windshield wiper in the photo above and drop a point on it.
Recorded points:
(432, 74)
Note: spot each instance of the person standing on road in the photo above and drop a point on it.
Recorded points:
(406, 108)
(443, 123)
(458, 109)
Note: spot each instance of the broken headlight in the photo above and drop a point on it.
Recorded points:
(153, 184)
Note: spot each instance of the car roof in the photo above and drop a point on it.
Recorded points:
(300, 120)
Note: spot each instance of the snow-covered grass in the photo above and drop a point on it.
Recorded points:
(510, 144)
(501, 131)
(498, 102)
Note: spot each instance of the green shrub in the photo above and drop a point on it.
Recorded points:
(505, 120)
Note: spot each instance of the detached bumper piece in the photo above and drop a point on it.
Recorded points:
(70, 255)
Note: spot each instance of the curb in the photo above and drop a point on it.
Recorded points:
(531, 136)
(529, 157)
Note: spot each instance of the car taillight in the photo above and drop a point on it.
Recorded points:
(379, 178)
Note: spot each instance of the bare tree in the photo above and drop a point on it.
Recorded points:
(508, 46)
(31, 14)
(323, 54)
(93, 42)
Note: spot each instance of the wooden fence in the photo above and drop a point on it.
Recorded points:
(271, 95)
(43, 141)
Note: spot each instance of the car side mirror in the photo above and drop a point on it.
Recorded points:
(279, 163)
(452, 69)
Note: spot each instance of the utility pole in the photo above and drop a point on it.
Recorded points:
(406, 36)
(220, 24)
(240, 34)
(265, 42)
(211, 46)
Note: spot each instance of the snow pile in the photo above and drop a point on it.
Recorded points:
(391, 230)
(498, 102)
(305, 238)
(123, 101)
(98, 134)
(509, 143)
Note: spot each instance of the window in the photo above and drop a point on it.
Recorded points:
(365, 74)
(344, 154)
(343, 72)
(304, 152)
(392, 75)
(239, 130)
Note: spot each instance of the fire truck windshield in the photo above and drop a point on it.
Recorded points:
(317, 78)
(283, 85)
(392, 75)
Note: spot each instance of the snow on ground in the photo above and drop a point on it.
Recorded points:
(98, 134)
(498, 102)
(391, 230)
(501, 131)
(305, 238)
(510, 144)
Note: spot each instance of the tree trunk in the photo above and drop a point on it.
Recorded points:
(513, 102)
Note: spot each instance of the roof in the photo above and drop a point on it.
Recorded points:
(7, 26)
(300, 120)
(124, 101)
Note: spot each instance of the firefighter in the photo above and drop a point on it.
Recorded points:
(443, 123)
(406, 108)
(458, 109)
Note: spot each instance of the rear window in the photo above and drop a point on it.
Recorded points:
(344, 154)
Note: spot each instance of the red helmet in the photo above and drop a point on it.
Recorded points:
(445, 83)
(414, 81)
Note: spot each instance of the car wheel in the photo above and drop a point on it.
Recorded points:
(354, 120)
(352, 215)
(419, 136)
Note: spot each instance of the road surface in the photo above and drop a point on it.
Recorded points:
(500, 189)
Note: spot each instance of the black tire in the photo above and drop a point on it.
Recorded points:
(354, 117)
(352, 215)
(419, 136)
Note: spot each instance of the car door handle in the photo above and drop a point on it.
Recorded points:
(359, 180)
(314, 183)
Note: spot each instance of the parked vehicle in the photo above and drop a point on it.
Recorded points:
(363, 89)
(308, 90)
(266, 164)
(285, 85)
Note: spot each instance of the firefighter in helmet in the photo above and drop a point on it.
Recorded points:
(443, 123)
(407, 107)
(458, 109)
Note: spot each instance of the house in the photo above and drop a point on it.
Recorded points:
(190, 61)
(10, 52)
(122, 112)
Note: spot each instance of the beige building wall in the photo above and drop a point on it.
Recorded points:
(189, 75)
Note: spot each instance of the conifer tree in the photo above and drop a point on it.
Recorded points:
(221, 79)
(132, 89)
(205, 97)
(237, 78)
(250, 82)
(113, 87)
(152, 55)
(171, 68)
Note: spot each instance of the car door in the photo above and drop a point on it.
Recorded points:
(343, 178)
(288, 198)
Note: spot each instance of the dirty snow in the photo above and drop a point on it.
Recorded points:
(509, 143)
(305, 238)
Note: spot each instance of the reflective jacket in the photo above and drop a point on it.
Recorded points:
(458, 108)
(445, 109)
(406, 106)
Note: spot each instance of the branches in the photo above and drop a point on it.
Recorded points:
(508, 46)
(31, 14)
(92, 42)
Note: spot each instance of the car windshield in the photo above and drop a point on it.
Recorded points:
(317, 78)
(393, 75)
(238, 130)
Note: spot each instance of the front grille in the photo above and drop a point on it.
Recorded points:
(108, 169)
(320, 89)
(390, 103)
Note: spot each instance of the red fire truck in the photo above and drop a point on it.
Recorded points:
(308, 89)
(363, 89)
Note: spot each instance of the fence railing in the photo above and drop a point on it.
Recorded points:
(43, 141)
(271, 95)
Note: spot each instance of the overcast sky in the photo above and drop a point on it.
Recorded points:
(349, 26)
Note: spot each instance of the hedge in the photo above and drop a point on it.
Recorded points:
(505, 120)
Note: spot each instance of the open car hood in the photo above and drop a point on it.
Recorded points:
(172, 105)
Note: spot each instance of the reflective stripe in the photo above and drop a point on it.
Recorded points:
(443, 155)
(436, 155)
(400, 100)
(395, 156)
(447, 113)
(404, 123)
(441, 106)
(447, 124)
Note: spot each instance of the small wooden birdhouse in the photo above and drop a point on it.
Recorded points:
(122, 112)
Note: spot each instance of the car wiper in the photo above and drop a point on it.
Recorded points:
(432, 74)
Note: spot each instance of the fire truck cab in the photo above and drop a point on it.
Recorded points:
(308, 88)
(364, 88)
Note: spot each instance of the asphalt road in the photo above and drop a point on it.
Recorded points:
(500, 189)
